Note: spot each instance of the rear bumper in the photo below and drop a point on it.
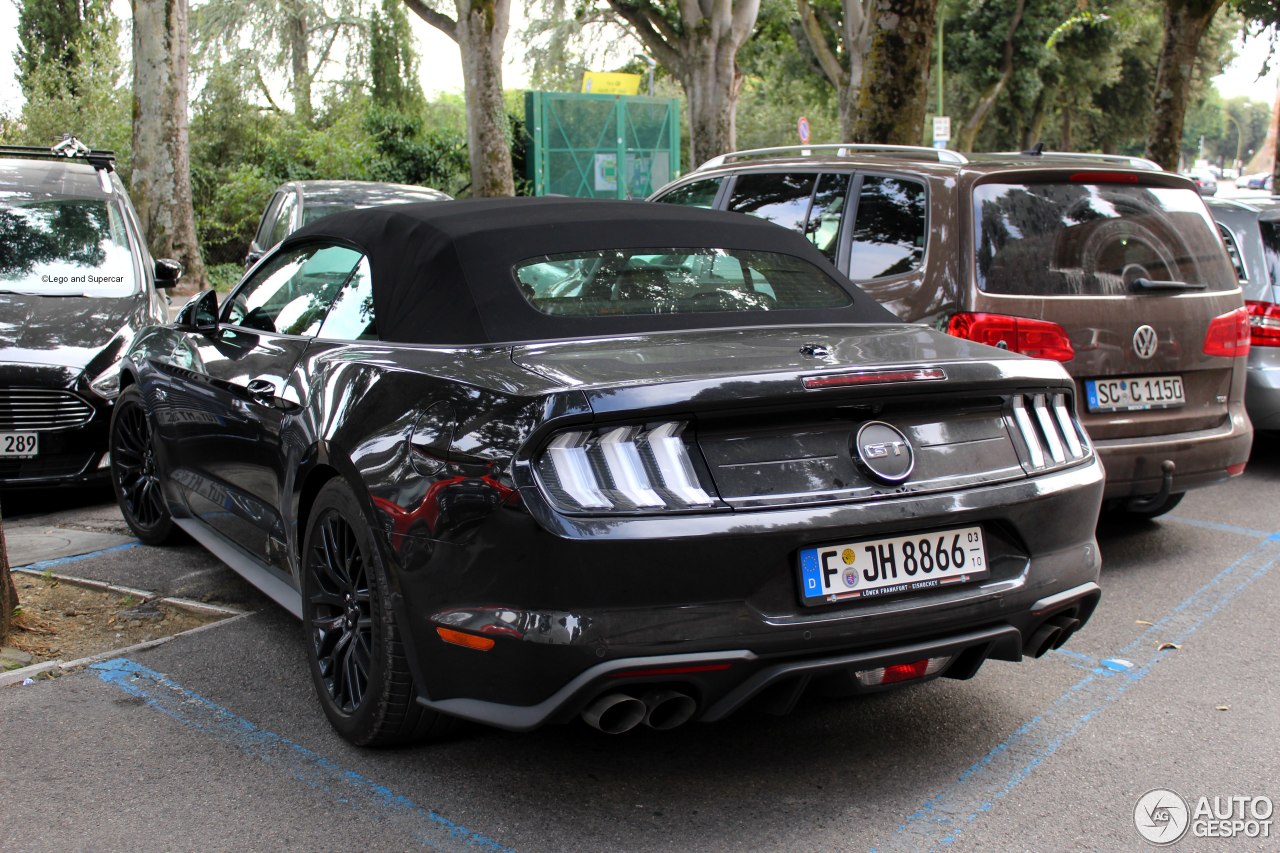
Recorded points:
(725, 681)
(1262, 391)
(1200, 458)
(571, 611)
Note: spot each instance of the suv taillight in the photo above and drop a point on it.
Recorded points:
(1036, 338)
(1264, 323)
(1228, 334)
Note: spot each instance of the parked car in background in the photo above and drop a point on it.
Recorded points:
(1257, 181)
(299, 203)
(1110, 267)
(76, 285)
(1251, 231)
(523, 460)
(1205, 181)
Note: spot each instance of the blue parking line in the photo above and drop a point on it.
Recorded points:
(41, 565)
(1217, 525)
(344, 787)
(940, 820)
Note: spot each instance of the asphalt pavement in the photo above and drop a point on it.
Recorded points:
(214, 741)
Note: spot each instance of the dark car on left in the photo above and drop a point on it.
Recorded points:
(76, 284)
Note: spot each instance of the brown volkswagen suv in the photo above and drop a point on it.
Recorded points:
(1103, 263)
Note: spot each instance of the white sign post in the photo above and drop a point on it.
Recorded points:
(941, 131)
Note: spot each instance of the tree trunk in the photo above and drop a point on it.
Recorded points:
(8, 593)
(299, 62)
(1273, 141)
(701, 50)
(894, 91)
(1035, 128)
(482, 30)
(968, 134)
(161, 184)
(1185, 22)
(711, 81)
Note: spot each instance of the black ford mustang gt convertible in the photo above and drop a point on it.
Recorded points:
(520, 461)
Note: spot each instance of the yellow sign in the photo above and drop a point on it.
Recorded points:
(610, 83)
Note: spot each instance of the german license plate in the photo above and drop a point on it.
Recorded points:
(19, 444)
(1137, 393)
(874, 567)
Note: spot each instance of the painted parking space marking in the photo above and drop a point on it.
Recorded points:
(56, 562)
(344, 787)
(940, 820)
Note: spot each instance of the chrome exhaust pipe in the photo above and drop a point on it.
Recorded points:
(614, 713)
(666, 709)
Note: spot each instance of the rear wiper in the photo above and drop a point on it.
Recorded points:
(1158, 285)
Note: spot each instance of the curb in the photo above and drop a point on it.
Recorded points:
(228, 614)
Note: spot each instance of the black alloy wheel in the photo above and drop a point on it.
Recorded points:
(356, 657)
(134, 473)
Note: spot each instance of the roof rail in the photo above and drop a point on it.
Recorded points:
(67, 147)
(1133, 162)
(841, 149)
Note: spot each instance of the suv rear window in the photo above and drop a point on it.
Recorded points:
(1093, 239)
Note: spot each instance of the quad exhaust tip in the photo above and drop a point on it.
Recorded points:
(615, 713)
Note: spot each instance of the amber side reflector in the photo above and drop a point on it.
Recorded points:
(470, 641)
(871, 377)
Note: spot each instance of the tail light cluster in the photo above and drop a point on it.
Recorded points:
(1228, 334)
(1050, 432)
(1264, 323)
(1036, 338)
(622, 469)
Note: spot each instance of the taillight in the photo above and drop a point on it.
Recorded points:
(1228, 334)
(1264, 323)
(622, 469)
(1036, 338)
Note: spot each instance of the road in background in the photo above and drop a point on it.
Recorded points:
(214, 741)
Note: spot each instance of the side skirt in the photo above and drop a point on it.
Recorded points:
(244, 565)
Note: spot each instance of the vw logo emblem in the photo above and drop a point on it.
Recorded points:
(883, 453)
(1145, 341)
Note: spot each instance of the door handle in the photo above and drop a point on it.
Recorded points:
(261, 391)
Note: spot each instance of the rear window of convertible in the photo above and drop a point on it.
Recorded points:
(616, 282)
(1084, 239)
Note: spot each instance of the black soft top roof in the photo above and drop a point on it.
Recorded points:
(443, 271)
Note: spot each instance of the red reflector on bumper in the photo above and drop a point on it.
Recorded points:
(1235, 470)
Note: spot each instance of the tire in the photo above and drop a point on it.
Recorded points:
(353, 644)
(1126, 511)
(135, 476)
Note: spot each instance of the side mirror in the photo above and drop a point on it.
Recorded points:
(167, 273)
(200, 314)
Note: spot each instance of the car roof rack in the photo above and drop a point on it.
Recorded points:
(1131, 161)
(841, 149)
(69, 148)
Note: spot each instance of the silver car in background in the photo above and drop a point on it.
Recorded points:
(1251, 230)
